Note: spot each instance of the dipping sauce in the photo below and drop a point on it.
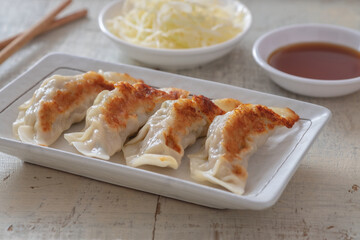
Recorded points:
(317, 60)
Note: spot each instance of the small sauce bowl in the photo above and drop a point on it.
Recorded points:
(306, 33)
(171, 58)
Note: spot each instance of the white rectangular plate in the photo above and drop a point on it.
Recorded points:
(270, 169)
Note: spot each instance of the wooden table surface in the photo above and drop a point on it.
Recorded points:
(322, 201)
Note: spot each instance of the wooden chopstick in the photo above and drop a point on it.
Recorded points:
(31, 32)
(56, 23)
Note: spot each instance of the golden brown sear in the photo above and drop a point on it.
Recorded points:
(73, 94)
(120, 107)
(250, 120)
(185, 113)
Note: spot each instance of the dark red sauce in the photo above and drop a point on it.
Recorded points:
(318, 60)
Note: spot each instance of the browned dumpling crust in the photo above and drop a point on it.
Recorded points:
(71, 95)
(59, 102)
(165, 136)
(185, 113)
(249, 120)
(231, 140)
(122, 106)
(117, 114)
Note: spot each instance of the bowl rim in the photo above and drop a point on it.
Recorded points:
(186, 51)
(263, 63)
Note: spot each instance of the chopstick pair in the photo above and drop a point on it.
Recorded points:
(12, 44)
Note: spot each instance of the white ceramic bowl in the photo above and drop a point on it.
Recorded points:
(292, 34)
(171, 58)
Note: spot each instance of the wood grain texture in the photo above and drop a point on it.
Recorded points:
(322, 201)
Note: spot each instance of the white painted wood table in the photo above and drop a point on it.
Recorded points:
(322, 201)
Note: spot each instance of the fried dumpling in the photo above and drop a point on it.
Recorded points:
(231, 139)
(59, 102)
(176, 125)
(116, 115)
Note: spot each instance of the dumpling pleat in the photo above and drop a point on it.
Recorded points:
(232, 139)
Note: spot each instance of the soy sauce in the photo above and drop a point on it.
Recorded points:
(317, 60)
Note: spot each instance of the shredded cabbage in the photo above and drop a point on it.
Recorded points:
(177, 24)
